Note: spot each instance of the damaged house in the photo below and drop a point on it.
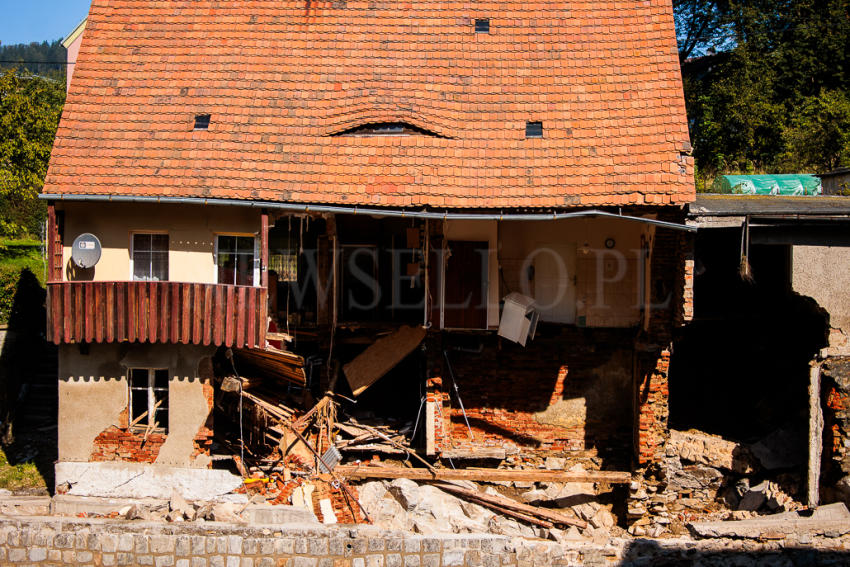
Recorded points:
(465, 221)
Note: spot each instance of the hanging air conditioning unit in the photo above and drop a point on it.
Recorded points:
(519, 318)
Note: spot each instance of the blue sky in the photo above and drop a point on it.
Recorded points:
(24, 21)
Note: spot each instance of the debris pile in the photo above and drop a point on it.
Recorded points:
(704, 476)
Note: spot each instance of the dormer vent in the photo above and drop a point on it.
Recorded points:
(202, 121)
(386, 129)
(482, 25)
(533, 129)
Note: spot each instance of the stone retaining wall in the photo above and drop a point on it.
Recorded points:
(47, 541)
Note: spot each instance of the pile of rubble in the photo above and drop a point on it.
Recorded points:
(403, 504)
(704, 476)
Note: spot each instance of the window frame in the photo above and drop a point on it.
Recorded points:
(151, 388)
(255, 265)
(133, 234)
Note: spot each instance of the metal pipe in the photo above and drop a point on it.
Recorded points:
(355, 210)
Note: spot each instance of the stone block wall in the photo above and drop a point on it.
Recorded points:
(61, 541)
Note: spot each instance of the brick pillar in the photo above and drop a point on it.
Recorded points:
(652, 407)
(435, 426)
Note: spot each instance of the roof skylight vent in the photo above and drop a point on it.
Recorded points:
(533, 129)
(482, 25)
(202, 121)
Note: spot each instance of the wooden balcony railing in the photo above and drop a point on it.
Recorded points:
(164, 312)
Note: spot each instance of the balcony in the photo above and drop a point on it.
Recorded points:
(156, 312)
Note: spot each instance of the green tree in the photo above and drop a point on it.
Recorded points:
(771, 95)
(30, 107)
(818, 136)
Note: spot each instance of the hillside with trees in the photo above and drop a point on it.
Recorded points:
(767, 84)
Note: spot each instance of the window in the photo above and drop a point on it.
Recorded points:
(235, 260)
(482, 25)
(533, 129)
(202, 122)
(387, 129)
(149, 398)
(149, 257)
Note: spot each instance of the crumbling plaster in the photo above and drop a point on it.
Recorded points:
(93, 395)
(823, 273)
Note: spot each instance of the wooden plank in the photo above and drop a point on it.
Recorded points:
(153, 310)
(132, 310)
(51, 243)
(218, 316)
(79, 314)
(198, 313)
(88, 307)
(67, 304)
(208, 314)
(501, 503)
(368, 367)
(142, 319)
(264, 250)
(164, 298)
(110, 312)
(99, 311)
(609, 477)
(175, 311)
(186, 319)
(121, 312)
(241, 316)
(263, 318)
(251, 325)
(228, 316)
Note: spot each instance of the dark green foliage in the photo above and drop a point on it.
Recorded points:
(774, 98)
(30, 107)
(42, 59)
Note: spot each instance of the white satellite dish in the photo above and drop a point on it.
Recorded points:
(86, 250)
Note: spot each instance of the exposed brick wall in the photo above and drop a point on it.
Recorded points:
(116, 444)
(568, 390)
(204, 438)
(836, 403)
(653, 413)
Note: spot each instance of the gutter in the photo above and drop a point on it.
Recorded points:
(354, 210)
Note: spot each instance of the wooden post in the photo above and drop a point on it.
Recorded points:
(264, 250)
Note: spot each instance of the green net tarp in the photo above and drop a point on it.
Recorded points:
(787, 184)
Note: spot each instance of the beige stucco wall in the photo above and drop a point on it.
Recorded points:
(607, 286)
(191, 230)
(823, 273)
(93, 392)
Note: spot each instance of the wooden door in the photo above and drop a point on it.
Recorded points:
(465, 291)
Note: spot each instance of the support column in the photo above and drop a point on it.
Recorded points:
(815, 437)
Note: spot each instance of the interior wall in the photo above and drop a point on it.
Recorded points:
(94, 393)
(191, 230)
(823, 273)
(607, 280)
(484, 231)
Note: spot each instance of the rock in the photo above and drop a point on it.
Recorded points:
(178, 505)
(711, 450)
(555, 463)
(754, 498)
(602, 519)
(586, 511)
(124, 511)
(225, 512)
(535, 495)
(406, 492)
(501, 525)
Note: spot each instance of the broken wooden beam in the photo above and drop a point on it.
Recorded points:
(503, 505)
(489, 475)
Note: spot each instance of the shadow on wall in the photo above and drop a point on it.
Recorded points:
(649, 553)
(22, 349)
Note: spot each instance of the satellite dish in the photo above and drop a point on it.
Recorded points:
(86, 250)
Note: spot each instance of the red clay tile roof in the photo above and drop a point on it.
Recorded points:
(280, 77)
